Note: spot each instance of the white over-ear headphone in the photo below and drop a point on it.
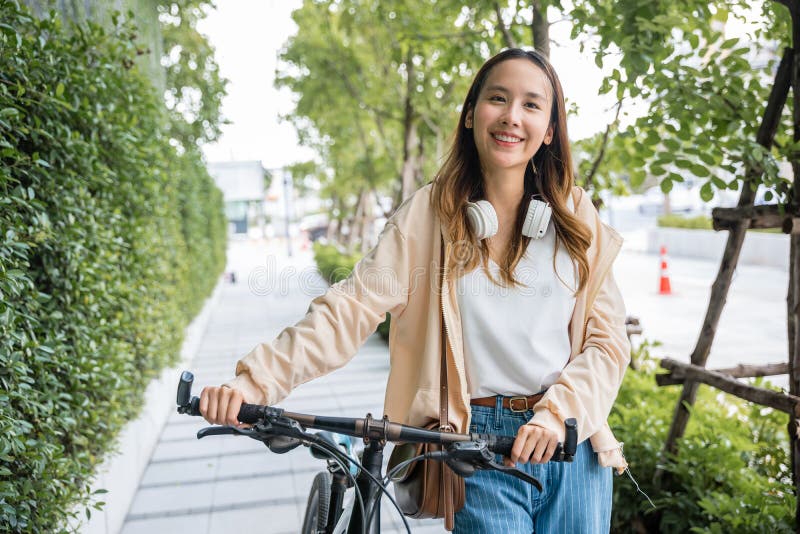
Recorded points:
(483, 219)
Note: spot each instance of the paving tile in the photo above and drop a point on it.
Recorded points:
(181, 498)
(172, 473)
(260, 461)
(192, 523)
(254, 489)
(284, 518)
(186, 450)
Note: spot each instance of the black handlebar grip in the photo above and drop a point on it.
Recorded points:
(571, 437)
(185, 388)
(502, 445)
(250, 413)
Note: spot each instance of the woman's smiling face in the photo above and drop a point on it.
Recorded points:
(511, 118)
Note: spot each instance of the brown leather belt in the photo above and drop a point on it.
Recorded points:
(515, 404)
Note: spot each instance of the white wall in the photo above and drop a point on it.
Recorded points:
(759, 248)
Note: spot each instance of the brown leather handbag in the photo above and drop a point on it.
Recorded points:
(429, 488)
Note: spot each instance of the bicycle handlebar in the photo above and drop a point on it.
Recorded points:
(370, 428)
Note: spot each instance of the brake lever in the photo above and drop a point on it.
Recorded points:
(220, 431)
(518, 473)
(464, 457)
(281, 437)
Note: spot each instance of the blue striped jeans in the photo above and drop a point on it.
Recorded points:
(576, 498)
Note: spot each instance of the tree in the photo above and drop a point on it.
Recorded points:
(194, 86)
(379, 85)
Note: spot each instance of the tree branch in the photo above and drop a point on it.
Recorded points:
(678, 376)
(507, 37)
(694, 373)
(764, 216)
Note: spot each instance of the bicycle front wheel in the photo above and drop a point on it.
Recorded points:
(319, 502)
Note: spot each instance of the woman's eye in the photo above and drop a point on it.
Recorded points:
(532, 105)
(497, 98)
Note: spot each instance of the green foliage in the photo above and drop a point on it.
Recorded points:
(378, 87)
(335, 266)
(704, 91)
(332, 264)
(195, 88)
(699, 222)
(109, 242)
(731, 473)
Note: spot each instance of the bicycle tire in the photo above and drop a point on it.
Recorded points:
(319, 502)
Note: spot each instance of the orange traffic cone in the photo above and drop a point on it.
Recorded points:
(663, 283)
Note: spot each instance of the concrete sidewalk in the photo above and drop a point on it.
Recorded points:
(225, 484)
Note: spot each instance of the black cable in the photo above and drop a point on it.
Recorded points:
(327, 446)
(337, 455)
(430, 455)
(401, 465)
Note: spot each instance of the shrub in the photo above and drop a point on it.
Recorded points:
(335, 265)
(699, 222)
(110, 240)
(731, 473)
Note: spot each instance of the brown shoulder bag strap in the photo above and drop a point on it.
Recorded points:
(444, 420)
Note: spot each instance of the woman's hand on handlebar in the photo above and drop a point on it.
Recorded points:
(534, 444)
(220, 405)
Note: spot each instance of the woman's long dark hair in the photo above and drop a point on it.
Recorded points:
(549, 174)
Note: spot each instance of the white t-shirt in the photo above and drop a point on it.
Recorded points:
(516, 340)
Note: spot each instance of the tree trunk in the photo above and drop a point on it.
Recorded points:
(793, 298)
(409, 132)
(367, 218)
(357, 222)
(334, 233)
(719, 290)
(540, 28)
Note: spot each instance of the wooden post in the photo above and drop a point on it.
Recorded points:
(719, 290)
(793, 296)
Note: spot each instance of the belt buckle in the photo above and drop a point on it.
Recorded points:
(516, 399)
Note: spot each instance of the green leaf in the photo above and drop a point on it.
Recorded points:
(666, 185)
(706, 192)
(59, 89)
(730, 43)
(700, 171)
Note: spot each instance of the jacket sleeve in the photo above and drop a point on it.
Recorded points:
(589, 383)
(334, 327)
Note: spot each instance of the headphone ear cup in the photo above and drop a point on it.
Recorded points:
(482, 218)
(537, 219)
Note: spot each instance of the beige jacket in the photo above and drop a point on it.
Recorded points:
(402, 276)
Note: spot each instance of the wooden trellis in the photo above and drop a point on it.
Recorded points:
(737, 221)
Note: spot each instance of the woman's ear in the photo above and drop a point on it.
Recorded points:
(548, 136)
(468, 120)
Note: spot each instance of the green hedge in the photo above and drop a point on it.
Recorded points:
(732, 472)
(110, 241)
(699, 222)
(335, 265)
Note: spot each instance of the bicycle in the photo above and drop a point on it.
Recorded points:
(326, 510)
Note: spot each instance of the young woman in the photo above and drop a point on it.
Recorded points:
(509, 261)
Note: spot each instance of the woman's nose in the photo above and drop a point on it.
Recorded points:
(511, 116)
